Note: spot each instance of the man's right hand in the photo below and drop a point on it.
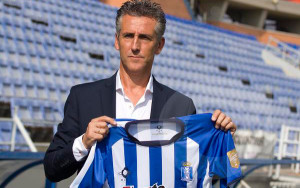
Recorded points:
(97, 130)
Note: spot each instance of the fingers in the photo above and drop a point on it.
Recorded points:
(219, 118)
(215, 115)
(102, 131)
(96, 130)
(105, 119)
(232, 131)
(223, 122)
(99, 134)
(100, 124)
(99, 128)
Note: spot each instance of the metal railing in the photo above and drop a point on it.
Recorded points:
(17, 124)
(289, 137)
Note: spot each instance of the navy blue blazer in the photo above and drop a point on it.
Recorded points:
(88, 101)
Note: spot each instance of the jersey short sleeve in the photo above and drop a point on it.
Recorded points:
(216, 147)
(223, 159)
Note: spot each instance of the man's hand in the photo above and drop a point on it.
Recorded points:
(223, 122)
(97, 130)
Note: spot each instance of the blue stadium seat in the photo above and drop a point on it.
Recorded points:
(31, 91)
(19, 90)
(24, 108)
(2, 33)
(37, 110)
(7, 89)
(5, 134)
(49, 111)
(42, 92)
(1, 89)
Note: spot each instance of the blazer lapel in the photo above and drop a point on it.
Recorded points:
(108, 97)
(158, 100)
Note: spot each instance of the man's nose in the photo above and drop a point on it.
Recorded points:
(136, 46)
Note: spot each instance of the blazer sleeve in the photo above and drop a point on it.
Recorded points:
(59, 161)
(191, 108)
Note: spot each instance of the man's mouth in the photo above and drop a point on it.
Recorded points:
(136, 57)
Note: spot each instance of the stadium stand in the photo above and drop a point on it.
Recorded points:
(48, 46)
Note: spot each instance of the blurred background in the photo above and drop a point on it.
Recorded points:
(240, 56)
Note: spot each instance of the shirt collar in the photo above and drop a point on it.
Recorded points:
(119, 86)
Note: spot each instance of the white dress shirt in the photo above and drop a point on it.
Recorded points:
(124, 109)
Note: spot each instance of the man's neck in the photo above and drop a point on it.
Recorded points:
(134, 84)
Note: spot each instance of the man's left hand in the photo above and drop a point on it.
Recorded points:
(223, 122)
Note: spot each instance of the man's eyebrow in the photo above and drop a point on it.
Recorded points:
(145, 35)
(142, 35)
(127, 33)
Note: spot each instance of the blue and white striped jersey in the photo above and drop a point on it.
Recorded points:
(161, 154)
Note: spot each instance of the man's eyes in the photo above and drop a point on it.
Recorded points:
(128, 36)
(144, 37)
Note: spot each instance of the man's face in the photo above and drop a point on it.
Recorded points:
(138, 43)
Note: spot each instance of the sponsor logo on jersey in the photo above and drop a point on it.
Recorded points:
(233, 158)
(186, 171)
(129, 186)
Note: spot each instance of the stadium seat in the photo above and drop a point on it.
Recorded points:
(5, 134)
(31, 91)
(19, 90)
(24, 108)
(48, 111)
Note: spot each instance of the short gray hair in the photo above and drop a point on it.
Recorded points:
(143, 8)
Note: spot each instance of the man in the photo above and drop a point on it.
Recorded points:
(131, 93)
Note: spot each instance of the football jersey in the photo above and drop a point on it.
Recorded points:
(180, 152)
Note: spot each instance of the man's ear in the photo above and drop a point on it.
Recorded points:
(160, 46)
(117, 47)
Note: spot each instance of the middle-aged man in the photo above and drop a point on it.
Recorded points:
(132, 92)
